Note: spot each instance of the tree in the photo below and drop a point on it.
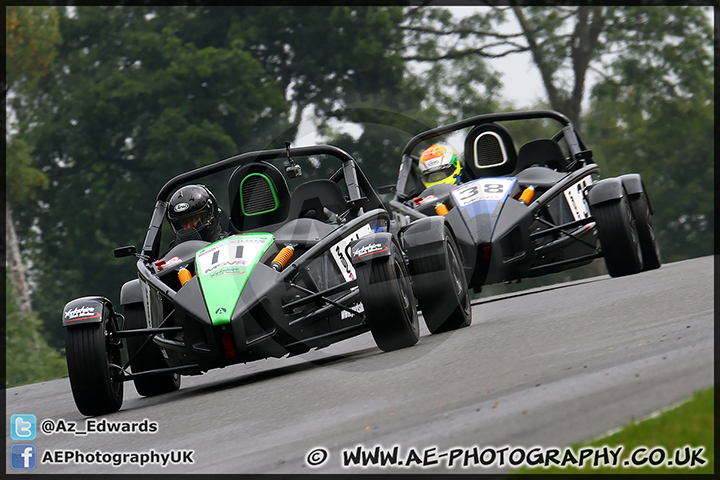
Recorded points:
(31, 36)
(566, 43)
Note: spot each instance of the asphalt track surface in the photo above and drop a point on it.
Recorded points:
(545, 367)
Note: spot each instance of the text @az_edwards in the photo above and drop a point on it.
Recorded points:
(94, 425)
(514, 457)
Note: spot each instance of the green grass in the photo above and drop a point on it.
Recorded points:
(691, 424)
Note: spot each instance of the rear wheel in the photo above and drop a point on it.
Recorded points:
(618, 237)
(387, 297)
(149, 358)
(440, 286)
(646, 234)
(94, 364)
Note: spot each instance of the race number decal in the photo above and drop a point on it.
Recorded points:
(575, 197)
(340, 253)
(237, 251)
(484, 189)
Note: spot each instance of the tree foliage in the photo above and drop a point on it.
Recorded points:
(31, 36)
(28, 358)
(655, 115)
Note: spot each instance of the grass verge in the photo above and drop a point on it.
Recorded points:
(678, 432)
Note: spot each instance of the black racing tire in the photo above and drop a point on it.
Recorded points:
(149, 358)
(440, 286)
(646, 233)
(618, 237)
(94, 363)
(387, 297)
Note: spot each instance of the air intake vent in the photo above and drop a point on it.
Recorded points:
(489, 150)
(258, 195)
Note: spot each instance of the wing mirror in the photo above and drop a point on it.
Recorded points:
(125, 251)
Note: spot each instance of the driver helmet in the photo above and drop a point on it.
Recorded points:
(194, 207)
(439, 164)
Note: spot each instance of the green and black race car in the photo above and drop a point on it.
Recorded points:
(297, 271)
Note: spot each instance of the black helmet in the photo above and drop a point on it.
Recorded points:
(194, 207)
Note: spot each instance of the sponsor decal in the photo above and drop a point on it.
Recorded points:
(358, 307)
(433, 162)
(427, 199)
(575, 197)
(341, 252)
(228, 271)
(222, 265)
(80, 313)
(172, 260)
(369, 249)
(181, 207)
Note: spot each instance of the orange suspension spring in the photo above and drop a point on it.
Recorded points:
(184, 275)
(282, 258)
(527, 195)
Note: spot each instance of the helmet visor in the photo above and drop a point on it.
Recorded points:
(439, 175)
(197, 219)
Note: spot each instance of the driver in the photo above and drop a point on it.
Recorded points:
(194, 214)
(439, 164)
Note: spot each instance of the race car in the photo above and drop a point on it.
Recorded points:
(527, 211)
(296, 272)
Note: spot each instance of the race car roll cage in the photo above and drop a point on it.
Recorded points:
(581, 162)
(355, 183)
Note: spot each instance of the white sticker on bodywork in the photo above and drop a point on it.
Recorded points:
(485, 189)
(340, 253)
(575, 197)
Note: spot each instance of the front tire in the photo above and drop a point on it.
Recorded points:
(94, 363)
(149, 358)
(386, 295)
(646, 233)
(618, 237)
(440, 286)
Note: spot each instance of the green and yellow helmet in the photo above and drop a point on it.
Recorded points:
(439, 164)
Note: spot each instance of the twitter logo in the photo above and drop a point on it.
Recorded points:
(23, 427)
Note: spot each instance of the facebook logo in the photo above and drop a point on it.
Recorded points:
(23, 457)
(22, 427)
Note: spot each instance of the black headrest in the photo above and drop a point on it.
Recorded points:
(489, 152)
(309, 199)
(542, 152)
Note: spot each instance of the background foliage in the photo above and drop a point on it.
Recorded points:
(110, 102)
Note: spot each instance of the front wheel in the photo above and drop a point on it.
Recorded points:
(94, 365)
(646, 234)
(440, 286)
(618, 237)
(387, 297)
(148, 357)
